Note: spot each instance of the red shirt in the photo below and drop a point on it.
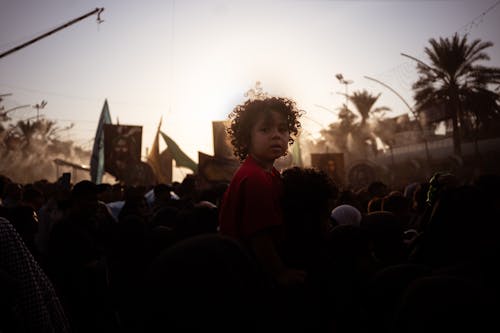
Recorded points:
(252, 201)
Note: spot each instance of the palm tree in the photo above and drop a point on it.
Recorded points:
(40, 131)
(46, 130)
(452, 77)
(483, 107)
(27, 130)
(338, 132)
(364, 102)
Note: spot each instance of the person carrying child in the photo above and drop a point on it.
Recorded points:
(251, 209)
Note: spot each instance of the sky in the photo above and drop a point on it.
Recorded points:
(191, 62)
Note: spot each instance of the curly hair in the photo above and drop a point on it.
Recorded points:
(245, 115)
(308, 187)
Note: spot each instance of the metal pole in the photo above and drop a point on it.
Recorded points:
(412, 111)
(345, 82)
(346, 95)
(97, 10)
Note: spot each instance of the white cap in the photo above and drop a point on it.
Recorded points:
(346, 215)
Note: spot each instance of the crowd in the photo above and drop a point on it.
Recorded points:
(412, 259)
(319, 258)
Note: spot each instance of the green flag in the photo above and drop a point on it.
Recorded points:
(296, 154)
(97, 157)
(181, 159)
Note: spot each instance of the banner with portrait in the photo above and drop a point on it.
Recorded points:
(222, 143)
(216, 170)
(122, 149)
(332, 164)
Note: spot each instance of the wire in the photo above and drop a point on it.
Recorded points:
(478, 20)
(402, 75)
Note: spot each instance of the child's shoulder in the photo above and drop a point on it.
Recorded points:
(249, 169)
(252, 172)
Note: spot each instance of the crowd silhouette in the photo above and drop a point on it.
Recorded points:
(114, 258)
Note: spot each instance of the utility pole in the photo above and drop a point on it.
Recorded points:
(97, 11)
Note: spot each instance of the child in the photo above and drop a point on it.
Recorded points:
(251, 209)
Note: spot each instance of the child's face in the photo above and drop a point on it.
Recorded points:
(269, 137)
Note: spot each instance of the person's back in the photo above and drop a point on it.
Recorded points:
(29, 301)
(308, 197)
(205, 283)
(76, 249)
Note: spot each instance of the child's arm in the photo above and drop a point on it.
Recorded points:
(265, 251)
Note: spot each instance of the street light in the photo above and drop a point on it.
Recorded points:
(414, 113)
(345, 82)
(39, 106)
(326, 109)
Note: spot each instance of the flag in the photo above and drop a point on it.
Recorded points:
(332, 164)
(97, 157)
(222, 144)
(215, 170)
(160, 163)
(166, 165)
(296, 154)
(181, 159)
(122, 149)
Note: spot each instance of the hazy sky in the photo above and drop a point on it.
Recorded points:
(191, 61)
